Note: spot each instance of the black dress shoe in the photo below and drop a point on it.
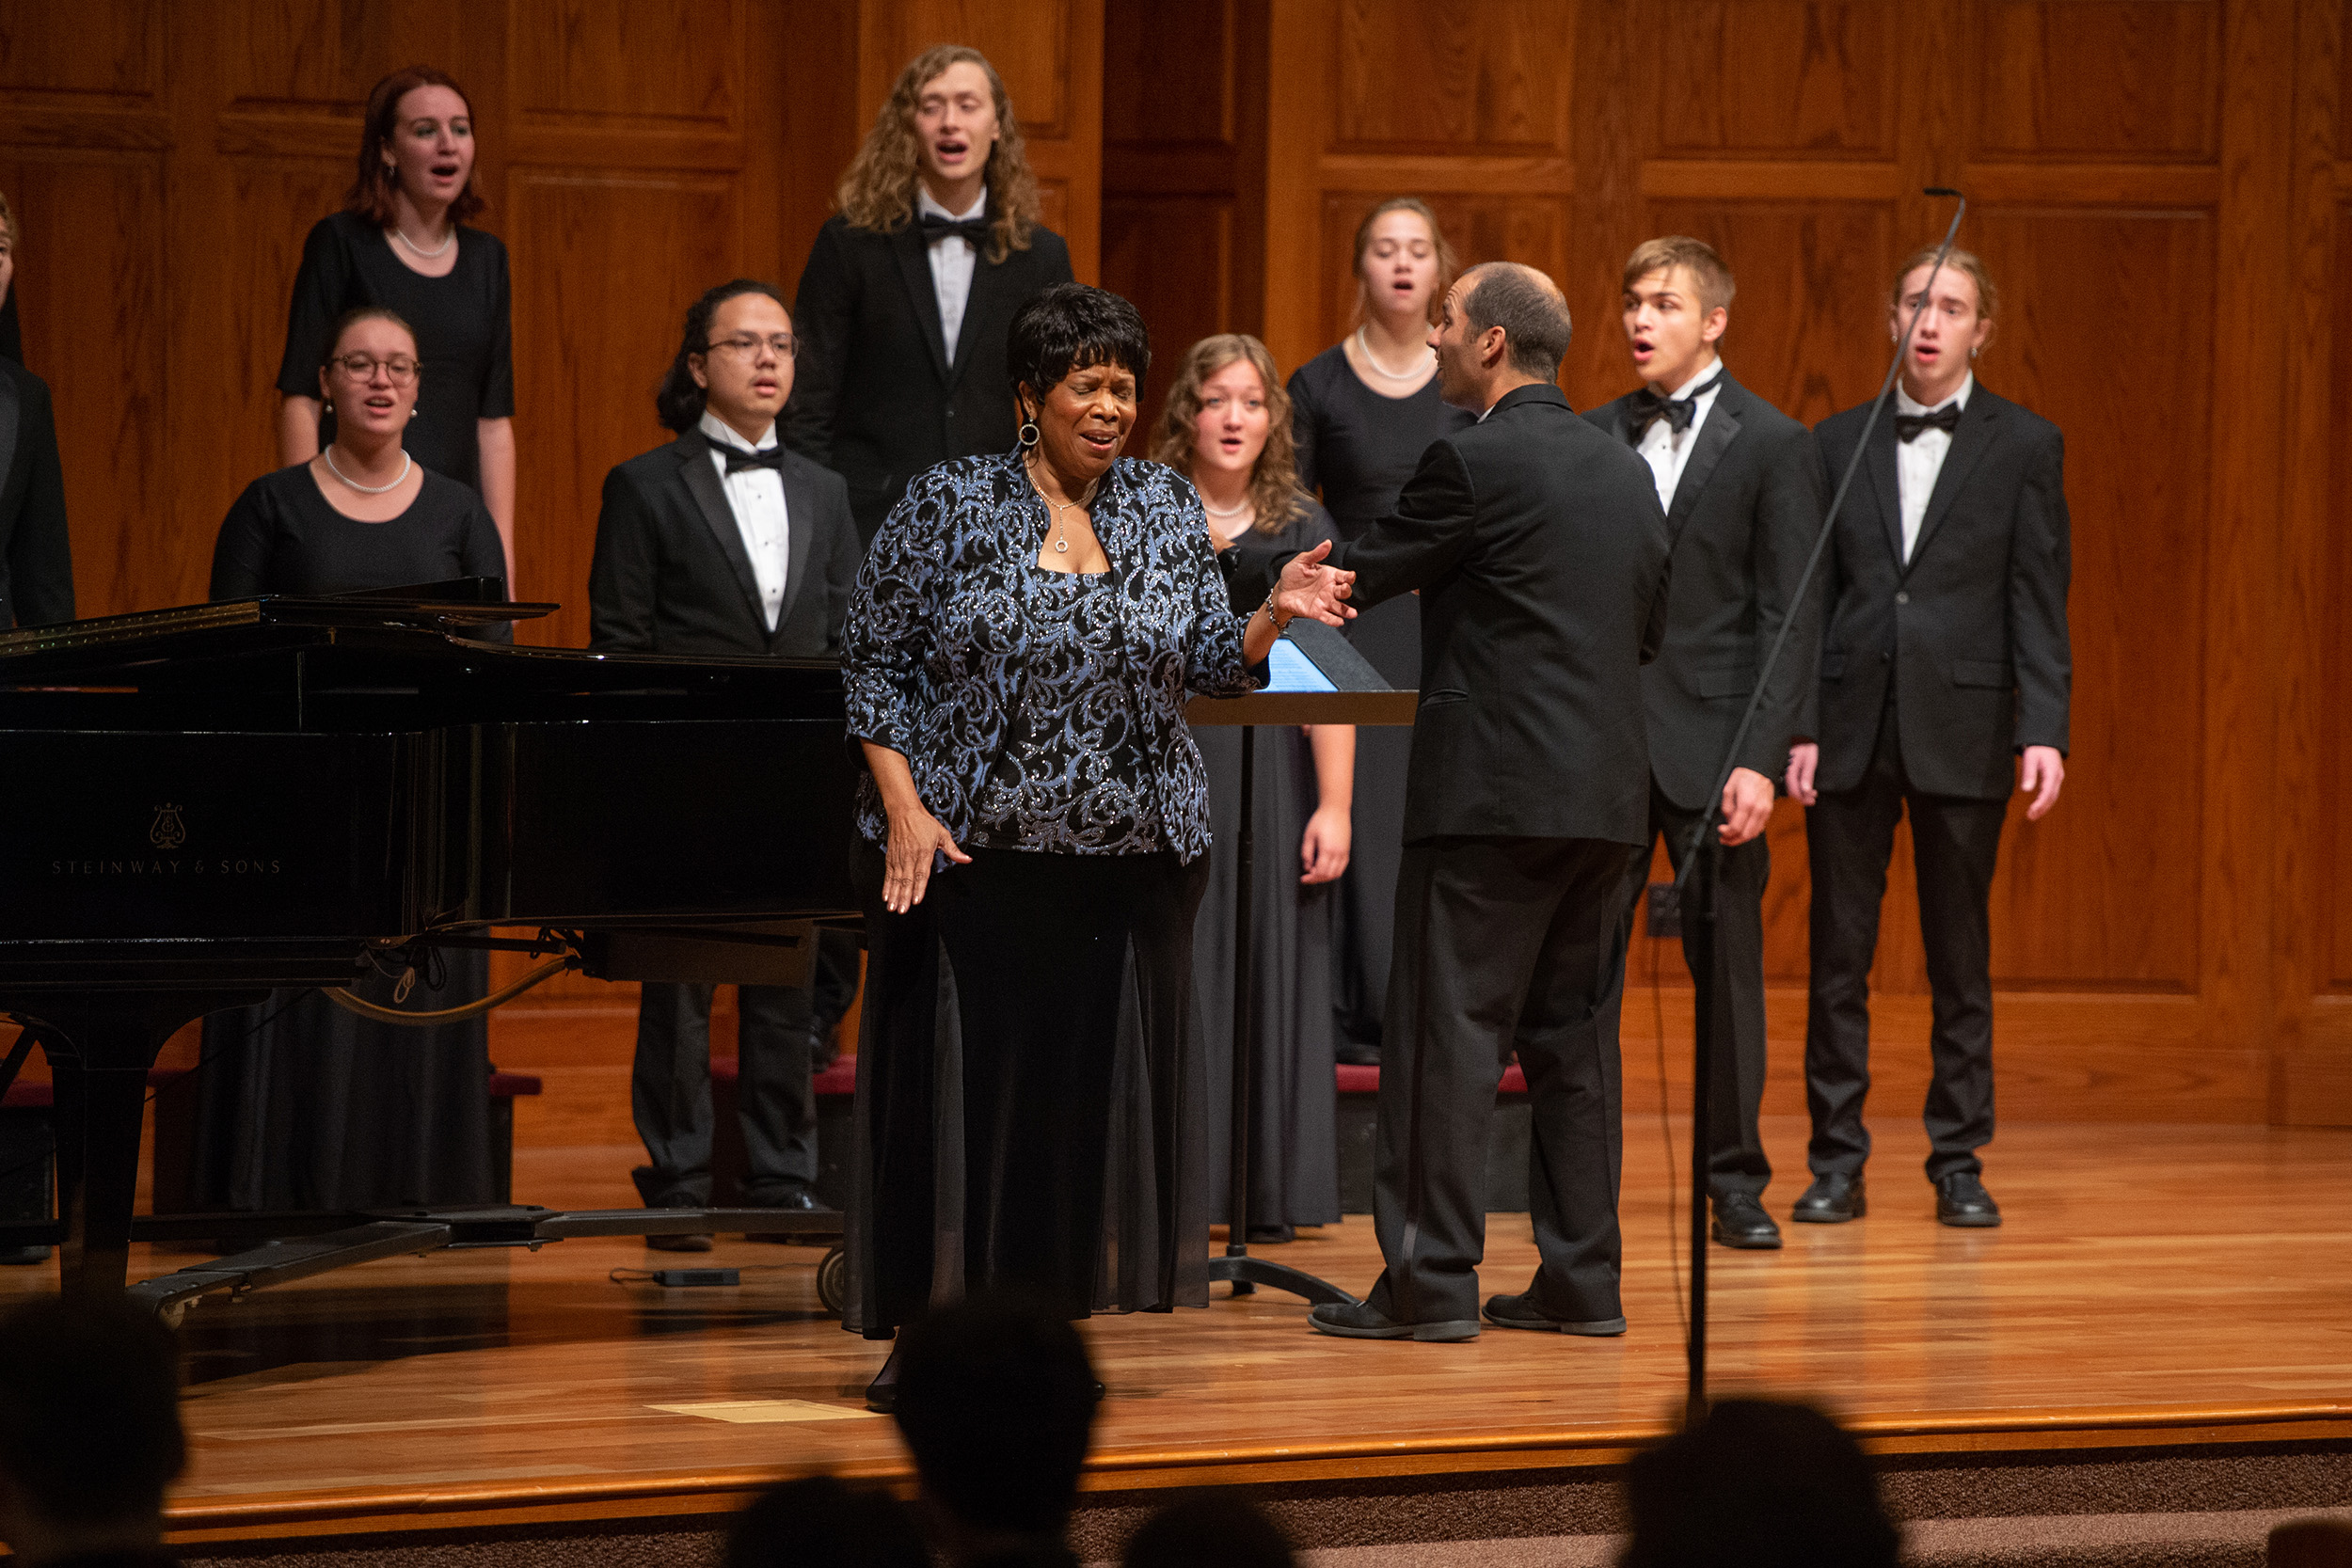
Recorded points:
(1521, 1311)
(1741, 1222)
(1272, 1235)
(1962, 1200)
(1832, 1199)
(23, 1255)
(697, 1243)
(1356, 1053)
(1362, 1321)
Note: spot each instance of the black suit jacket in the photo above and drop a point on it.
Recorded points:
(1972, 632)
(875, 395)
(36, 553)
(1746, 514)
(1540, 549)
(671, 574)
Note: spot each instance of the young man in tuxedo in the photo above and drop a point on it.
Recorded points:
(1540, 549)
(910, 288)
(1740, 484)
(1945, 657)
(724, 542)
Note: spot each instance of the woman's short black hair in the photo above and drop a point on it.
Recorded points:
(1068, 327)
(677, 399)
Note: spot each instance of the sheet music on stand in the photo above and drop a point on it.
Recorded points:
(1317, 677)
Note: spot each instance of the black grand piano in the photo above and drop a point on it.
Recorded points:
(202, 805)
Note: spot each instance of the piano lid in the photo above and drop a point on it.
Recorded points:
(455, 607)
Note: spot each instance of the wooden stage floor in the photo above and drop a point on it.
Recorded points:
(2154, 1285)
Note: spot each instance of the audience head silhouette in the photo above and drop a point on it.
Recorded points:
(90, 1431)
(819, 1523)
(1757, 1484)
(996, 1400)
(1208, 1528)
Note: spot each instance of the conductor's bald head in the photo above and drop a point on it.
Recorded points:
(1530, 308)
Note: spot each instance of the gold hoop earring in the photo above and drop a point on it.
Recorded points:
(1030, 434)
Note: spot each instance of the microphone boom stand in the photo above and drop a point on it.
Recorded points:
(1696, 878)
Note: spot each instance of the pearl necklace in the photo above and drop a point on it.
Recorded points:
(369, 489)
(1224, 511)
(1363, 346)
(428, 255)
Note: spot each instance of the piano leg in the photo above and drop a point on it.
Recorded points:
(99, 1053)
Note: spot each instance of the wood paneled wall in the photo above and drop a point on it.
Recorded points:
(2162, 188)
(167, 158)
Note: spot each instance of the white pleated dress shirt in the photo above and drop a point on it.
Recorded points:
(757, 496)
(1666, 450)
(953, 260)
(1919, 460)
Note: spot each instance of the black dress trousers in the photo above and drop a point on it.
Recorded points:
(1735, 1161)
(670, 1092)
(1955, 841)
(1501, 940)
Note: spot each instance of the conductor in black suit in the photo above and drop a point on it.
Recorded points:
(1945, 676)
(1740, 484)
(910, 288)
(1540, 549)
(36, 551)
(724, 542)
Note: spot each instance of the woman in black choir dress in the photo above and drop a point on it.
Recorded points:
(1362, 413)
(1034, 833)
(301, 1105)
(1226, 427)
(400, 242)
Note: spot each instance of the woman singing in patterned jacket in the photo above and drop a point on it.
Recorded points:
(1034, 826)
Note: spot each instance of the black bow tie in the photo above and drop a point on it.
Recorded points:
(766, 457)
(974, 230)
(1650, 406)
(1908, 426)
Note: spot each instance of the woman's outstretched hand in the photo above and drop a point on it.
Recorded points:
(1312, 588)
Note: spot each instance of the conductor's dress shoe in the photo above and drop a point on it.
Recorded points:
(1361, 1321)
(1962, 1200)
(1741, 1222)
(1832, 1199)
(1520, 1312)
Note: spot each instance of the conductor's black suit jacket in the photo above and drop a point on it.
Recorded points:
(1746, 514)
(36, 554)
(876, 397)
(1972, 631)
(1540, 549)
(670, 574)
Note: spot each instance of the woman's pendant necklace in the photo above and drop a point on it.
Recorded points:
(1061, 536)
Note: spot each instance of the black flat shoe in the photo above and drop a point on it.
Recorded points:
(1361, 1321)
(882, 1395)
(680, 1244)
(1831, 1200)
(1962, 1200)
(1741, 1222)
(1520, 1312)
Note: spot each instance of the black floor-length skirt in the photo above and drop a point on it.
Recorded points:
(301, 1105)
(1363, 905)
(1029, 1089)
(1294, 1144)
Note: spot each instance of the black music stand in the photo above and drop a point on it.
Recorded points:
(1356, 695)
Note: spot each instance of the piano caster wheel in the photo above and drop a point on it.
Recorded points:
(833, 1279)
